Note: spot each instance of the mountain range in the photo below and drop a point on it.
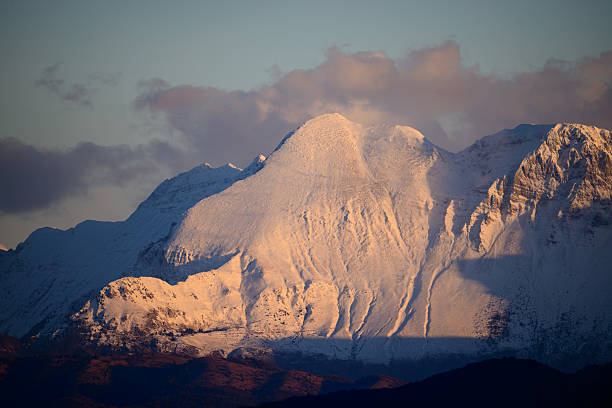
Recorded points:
(358, 243)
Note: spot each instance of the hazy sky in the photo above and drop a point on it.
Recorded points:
(101, 100)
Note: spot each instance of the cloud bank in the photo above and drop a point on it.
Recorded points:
(429, 89)
(33, 179)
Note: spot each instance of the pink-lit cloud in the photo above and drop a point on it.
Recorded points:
(429, 89)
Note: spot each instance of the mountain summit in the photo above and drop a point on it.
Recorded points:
(365, 243)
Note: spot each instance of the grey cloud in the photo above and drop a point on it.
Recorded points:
(32, 178)
(77, 93)
(428, 89)
(218, 126)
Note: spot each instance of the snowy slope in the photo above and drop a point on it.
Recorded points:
(53, 272)
(366, 243)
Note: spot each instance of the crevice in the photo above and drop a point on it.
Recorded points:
(427, 322)
(357, 333)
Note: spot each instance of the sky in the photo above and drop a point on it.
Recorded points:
(101, 101)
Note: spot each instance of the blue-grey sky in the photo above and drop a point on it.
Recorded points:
(81, 71)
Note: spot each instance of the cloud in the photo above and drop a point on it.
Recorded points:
(77, 93)
(220, 126)
(33, 179)
(3, 248)
(429, 89)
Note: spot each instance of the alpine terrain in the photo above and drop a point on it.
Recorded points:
(358, 243)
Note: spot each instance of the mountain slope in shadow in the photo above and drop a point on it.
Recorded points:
(155, 380)
(493, 383)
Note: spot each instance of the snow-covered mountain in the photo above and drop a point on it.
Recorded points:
(365, 243)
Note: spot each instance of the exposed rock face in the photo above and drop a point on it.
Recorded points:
(355, 242)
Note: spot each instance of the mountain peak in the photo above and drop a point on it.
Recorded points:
(333, 134)
(576, 133)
